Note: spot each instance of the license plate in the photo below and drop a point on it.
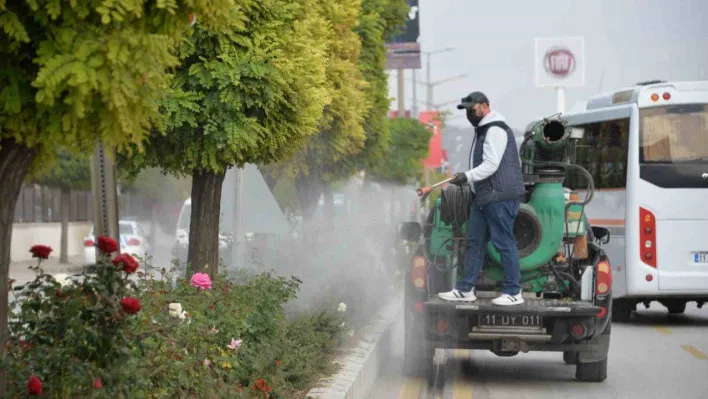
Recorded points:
(700, 257)
(502, 320)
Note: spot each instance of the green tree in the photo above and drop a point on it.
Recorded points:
(74, 72)
(408, 148)
(251, 95)
(380, 20)
(70, 172)
(340, 131)
(352, 131)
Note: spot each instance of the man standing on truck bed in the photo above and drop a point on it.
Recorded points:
(497, 182)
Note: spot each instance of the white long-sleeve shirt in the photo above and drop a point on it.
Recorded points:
(493, 150)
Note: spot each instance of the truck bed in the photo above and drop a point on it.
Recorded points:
(531, 306)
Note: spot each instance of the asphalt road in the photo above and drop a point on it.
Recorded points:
(652, 356)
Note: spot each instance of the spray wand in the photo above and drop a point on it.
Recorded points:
(425, 191)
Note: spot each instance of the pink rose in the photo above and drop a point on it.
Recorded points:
(201, 281)
(235, 343)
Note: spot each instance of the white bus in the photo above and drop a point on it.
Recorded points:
(647, 149)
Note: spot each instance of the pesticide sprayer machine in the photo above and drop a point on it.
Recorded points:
(566, 277)
(550, 215)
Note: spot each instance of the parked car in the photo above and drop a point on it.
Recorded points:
(132, 241)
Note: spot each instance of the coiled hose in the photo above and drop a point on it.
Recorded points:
(454, 210)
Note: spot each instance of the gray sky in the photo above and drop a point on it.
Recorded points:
(630, 40)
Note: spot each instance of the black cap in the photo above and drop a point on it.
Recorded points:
(473, 98)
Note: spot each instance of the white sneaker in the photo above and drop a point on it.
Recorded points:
(508, 300)
(458, 296)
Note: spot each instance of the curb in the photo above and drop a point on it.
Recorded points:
(360, 366)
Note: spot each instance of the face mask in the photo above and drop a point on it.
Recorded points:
(473, 118)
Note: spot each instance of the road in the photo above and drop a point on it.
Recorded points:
(652, 356)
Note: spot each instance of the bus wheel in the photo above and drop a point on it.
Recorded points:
(675, 307)
(622, 310)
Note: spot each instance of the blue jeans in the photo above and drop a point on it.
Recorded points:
(495, 220)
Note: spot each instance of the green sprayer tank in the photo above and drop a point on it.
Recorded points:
(545, 217)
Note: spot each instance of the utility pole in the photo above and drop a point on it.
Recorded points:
(429, 84)
(414, 104)
(401, 94)
(105, 193)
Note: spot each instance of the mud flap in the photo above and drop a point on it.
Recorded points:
(602, 348)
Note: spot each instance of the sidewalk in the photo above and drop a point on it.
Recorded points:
(20, 272)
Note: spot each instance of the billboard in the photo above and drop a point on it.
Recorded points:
(560, 62)
(403, 50)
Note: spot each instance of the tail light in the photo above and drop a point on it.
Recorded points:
(133, 242)
(88, 243)
(647, 235)
(419, 307)
(578, 330)
(602, 313)
(441, 326)
(419, 274)
(603, 277)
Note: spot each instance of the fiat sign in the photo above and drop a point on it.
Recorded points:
(560, 62)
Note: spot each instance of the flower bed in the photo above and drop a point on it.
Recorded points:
(110, 335)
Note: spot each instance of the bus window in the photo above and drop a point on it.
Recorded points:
(603, 152)
(674, 134)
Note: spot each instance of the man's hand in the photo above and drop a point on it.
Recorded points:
(459, 179)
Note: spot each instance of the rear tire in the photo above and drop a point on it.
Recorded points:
(416, 354)
(434, 373)
(570, 357)
(591, 372)
(622, 310)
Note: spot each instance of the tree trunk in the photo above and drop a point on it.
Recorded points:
(15, 162)
(153, 227)
(203, 255)
(328, 210)
(308, 190)
(64, 199)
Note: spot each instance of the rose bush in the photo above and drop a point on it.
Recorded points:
(116, 333)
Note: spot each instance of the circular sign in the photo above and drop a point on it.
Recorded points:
(559, 62)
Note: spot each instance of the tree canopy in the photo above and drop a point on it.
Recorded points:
(251, 94)
(81, 70)
(70, 171)
(407, 148)
(380, 20)
(352, 134)
(340, 129)
(247, 95)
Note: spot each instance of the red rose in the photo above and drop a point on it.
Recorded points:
(107, 245)
(34, 386)
(261, 385)
(97, 383)
(130, 305)
(130, 265)
(40, 251)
